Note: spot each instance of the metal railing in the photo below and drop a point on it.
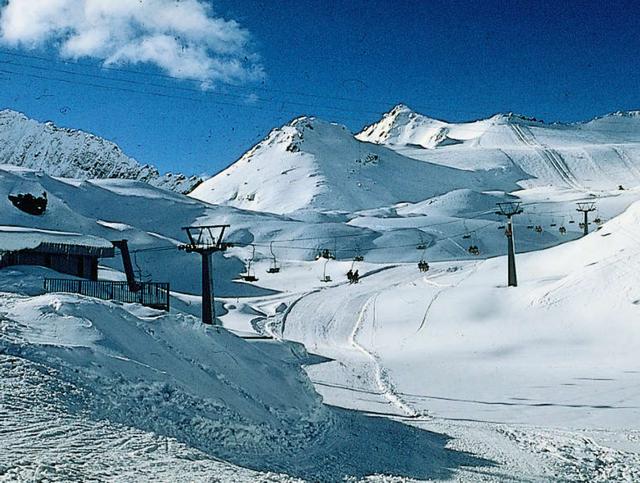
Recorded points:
(150, 294)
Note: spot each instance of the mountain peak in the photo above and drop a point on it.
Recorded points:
(402, 125)
(401, 109)
(511, 117)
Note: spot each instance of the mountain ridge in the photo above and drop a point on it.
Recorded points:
(73, 153)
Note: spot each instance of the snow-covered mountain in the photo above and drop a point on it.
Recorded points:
(311, 164)
(71, 153)
(596, 155)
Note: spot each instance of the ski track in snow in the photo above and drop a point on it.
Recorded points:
(624, 157)
(382, 378)
(442, 288)
(554, 158)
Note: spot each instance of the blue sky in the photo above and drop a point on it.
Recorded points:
(343, 61)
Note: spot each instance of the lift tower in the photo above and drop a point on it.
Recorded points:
(586, 208)
(203, 240)
(510, 209)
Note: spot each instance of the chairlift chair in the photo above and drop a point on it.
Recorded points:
(562, 230)
(325, 278)
(250, 276)
(274, 268)
(326, 254)
(538, 229)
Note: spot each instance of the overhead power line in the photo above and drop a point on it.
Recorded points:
(223, 98)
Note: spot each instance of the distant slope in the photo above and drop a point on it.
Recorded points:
(311, 164)
(71, 153)
(596, 155)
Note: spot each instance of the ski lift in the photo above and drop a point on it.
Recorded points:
(423, 266)
(553, 225)
(562, 230)
(598, 221)
(529, 227)
(274, 268)
(325, 278)
(501, 227)
(250, 275)
(142, 275)
(353, 276)
(422, 245)
(326, 254)
(538, 229)
(467, 233)
(358, 257)
(474, 250)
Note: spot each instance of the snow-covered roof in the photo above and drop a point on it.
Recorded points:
(16, 238)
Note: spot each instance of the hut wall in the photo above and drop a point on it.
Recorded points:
(84, 266)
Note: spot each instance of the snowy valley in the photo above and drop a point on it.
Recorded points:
(445, 375)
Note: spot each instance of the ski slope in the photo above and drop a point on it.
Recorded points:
(550, 364)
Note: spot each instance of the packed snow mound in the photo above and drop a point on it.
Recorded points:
(311, 164)
(71, 153)
(167, 373)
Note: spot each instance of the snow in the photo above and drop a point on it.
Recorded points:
(405, 376)
(13, 238)
(310, 164)
(71, 153)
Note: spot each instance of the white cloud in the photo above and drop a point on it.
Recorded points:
(182, 37)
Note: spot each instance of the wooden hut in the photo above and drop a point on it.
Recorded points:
(69, 253)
